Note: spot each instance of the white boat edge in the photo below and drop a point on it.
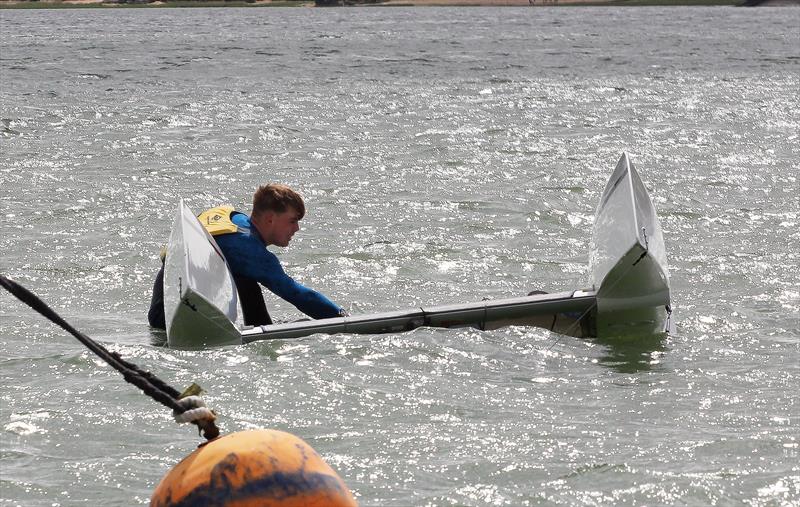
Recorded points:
(200, 298)
(628, 262)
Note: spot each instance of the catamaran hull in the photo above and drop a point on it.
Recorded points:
(628, 261)
(635, 301)
(198, 324)
(199, 293)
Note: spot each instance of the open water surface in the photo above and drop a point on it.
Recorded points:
(446, 155)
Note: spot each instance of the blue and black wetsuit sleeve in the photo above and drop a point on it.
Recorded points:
(308, 301)
(249, 258)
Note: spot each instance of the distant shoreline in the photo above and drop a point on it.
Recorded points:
(111, 4)
(106, 4)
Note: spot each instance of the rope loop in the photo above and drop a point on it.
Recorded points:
(193, 410)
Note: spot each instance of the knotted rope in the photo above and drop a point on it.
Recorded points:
(151, 385)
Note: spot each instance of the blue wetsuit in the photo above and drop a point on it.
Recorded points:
(248, 257)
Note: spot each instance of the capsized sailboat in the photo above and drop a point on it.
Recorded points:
(629, 295)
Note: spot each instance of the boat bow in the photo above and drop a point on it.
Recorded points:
(199, 293)
(628, 260)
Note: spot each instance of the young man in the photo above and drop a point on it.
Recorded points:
(277, 211)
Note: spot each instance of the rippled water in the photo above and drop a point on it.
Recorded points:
(446, 155)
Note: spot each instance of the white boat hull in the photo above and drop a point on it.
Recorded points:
(628, 261)
(199, 293)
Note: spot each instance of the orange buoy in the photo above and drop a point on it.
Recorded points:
(265, 468)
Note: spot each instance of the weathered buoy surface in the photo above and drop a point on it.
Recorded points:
(265, 468)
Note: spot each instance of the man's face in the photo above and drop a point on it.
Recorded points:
(280, 227)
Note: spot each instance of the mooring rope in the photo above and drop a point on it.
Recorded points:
(151, 385)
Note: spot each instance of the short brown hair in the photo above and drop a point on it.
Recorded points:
(278, 198)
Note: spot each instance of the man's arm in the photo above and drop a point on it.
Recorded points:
(247, 257)
(308, 301)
